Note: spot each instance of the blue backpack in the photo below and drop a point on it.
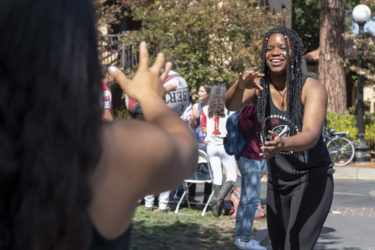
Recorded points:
(234, 142)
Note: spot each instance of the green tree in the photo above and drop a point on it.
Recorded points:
(366, 42)
(108, 12)
(207, 41)
(305, 20)
(327, 33)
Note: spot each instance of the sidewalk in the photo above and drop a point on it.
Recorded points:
(353, 171)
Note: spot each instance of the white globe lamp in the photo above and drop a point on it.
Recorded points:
(361, 13)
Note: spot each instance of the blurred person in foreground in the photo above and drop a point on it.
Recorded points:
(68, 180)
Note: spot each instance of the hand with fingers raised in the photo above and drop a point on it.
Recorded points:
(273, 147)
(147, 81)
(246, 80)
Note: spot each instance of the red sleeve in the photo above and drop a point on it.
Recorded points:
(247, 121)
(203, 121)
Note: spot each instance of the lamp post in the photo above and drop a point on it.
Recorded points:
(361, 14)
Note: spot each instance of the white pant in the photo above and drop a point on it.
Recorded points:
(163, 200)
(218, 157)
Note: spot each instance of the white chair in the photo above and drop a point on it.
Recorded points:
(202, 175)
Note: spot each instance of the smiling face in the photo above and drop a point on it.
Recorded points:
(202, 94)
(276, 54)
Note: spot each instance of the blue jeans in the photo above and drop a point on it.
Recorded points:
(263, 164)
(251, 171)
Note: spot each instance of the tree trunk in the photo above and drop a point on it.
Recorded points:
(331, 69)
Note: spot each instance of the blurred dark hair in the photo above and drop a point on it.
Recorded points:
(294, 80)
(216, 102)
(49, 122)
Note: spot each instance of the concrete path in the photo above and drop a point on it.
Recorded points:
(356, 171)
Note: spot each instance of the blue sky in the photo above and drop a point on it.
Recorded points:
(369, 26)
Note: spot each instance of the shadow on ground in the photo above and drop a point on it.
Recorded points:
(181, 235)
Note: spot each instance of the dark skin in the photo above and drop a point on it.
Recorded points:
(314, 100)
(124, 174)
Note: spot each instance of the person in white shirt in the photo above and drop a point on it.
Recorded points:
(107, 81)
(213, 122)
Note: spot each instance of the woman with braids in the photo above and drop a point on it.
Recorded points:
(291, 110)
(213, 122)
(68, 180)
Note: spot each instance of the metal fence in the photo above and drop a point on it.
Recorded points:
(113, 51)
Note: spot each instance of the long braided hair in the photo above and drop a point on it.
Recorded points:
(216, 103)
(294, 80)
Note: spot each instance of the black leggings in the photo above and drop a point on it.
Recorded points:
(296, 216)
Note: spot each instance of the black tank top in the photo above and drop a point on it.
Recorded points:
(287, 168)
(120, 243)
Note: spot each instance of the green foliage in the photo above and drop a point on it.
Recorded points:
(366, 42)
(121, 113)
(306, 15)
(370, 131)
(305, 20)
(108, 12)
(207, 41)
(347, 122)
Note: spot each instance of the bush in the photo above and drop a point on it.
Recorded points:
(347, 122)
(370, 131)
(207, 41)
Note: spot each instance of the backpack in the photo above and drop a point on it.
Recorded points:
(234, 142)
(235, 197)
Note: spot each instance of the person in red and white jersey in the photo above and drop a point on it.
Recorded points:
(107, 115)
(177, 96)
(213, 122)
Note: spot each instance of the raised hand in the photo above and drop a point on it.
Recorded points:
(147, 80)
(246, 80)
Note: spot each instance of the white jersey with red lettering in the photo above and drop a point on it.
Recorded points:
(107, 97)
(215, 126)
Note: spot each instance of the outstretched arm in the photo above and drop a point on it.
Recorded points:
(140, 157)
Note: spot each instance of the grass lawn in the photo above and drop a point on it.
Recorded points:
(152, 230)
